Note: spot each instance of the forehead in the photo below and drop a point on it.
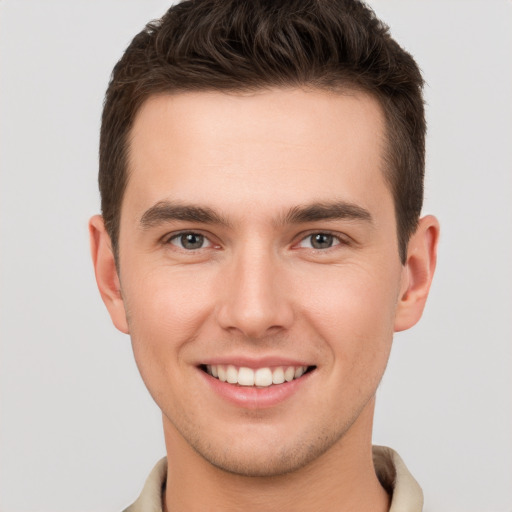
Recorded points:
(235, 149)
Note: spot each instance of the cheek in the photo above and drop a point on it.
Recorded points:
(353, 311)
(164, 315)
(165, 310)
(166, 299)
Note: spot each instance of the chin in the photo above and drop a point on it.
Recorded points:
(262, 465)
(265, 456)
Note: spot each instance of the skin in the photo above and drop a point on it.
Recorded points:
(257, 287)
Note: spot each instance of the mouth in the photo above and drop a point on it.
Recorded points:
(256, 377)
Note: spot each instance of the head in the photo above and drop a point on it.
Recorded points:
(261, 169)
(237, 46)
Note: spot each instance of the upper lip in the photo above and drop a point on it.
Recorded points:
(261, 362)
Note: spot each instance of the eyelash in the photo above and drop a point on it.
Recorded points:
(177, 236)
(336, 238)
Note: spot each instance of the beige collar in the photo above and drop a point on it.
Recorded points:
(390, 468)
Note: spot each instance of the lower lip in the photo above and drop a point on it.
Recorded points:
(251, 397)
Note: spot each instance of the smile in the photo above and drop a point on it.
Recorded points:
(259, 377)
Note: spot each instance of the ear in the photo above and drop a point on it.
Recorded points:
(105, 270)
(417, 273)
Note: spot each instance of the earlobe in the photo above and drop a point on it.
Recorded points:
(417, 273)
(105, 270)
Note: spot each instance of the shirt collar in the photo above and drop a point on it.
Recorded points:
(390, 468)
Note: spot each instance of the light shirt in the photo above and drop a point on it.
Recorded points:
(406, 494)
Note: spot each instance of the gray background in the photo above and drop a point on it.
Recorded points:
(78, 430)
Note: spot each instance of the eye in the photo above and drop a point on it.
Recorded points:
(319, 241)
(190, 241)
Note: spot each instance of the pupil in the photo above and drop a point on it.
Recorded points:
(322, 241)
(192, 241)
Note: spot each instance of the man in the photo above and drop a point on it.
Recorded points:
(261, 174)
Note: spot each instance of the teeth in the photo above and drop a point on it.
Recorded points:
(232, 374)
(261, 377)
(221, 372)
(278, 376)
(246, 377)
(289, 374)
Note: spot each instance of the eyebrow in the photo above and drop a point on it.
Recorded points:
(166, 211)
(338, 210)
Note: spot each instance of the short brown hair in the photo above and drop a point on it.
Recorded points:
(240, 45)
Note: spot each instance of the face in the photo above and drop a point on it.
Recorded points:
(259, 270)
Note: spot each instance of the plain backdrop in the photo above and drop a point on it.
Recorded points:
(78, 430)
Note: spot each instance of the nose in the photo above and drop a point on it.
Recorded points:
(255, 299)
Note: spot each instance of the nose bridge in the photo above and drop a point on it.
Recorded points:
(255, 300)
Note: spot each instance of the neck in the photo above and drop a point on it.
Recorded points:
(343, 475)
